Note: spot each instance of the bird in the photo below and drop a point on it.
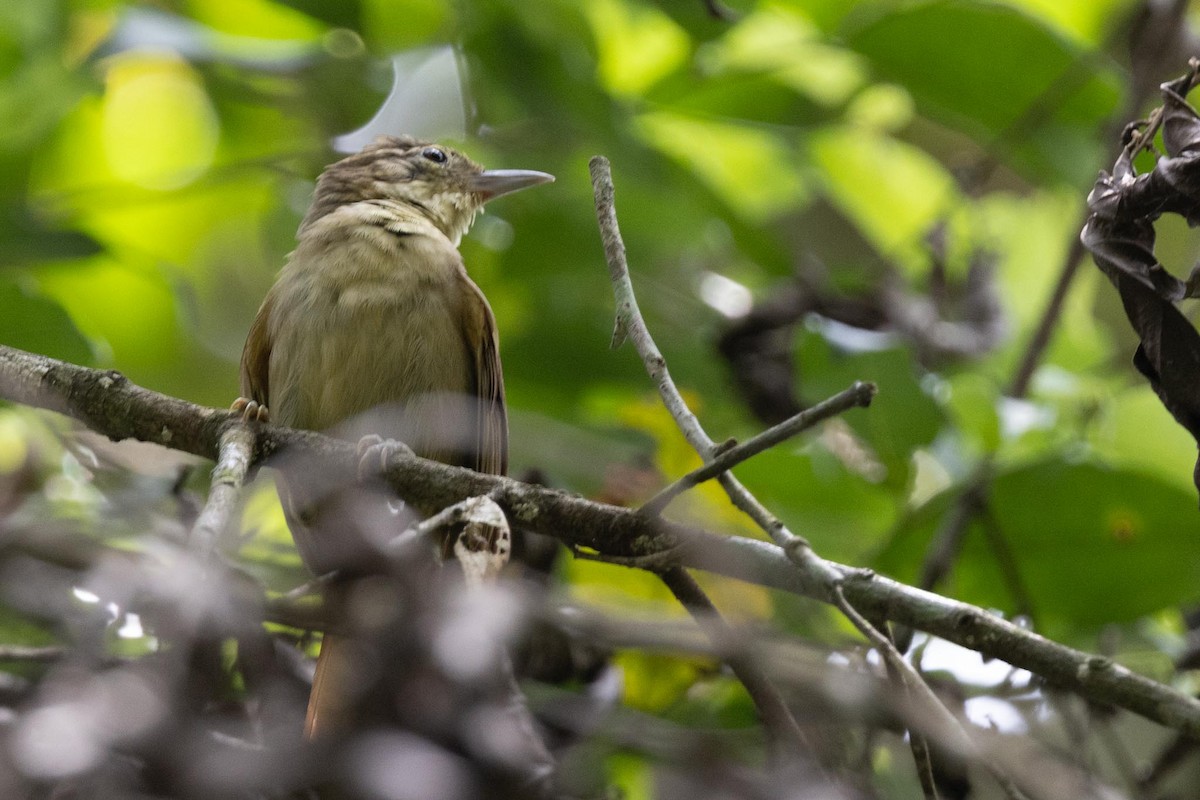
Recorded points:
(373, 327)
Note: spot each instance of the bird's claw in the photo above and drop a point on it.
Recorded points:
(374, 452)
(251, 410)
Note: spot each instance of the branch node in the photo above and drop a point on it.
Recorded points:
(724, 447)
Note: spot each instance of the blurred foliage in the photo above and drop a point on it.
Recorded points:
(156, 159)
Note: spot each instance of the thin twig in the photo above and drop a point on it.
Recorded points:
(313, 586)
(1031, 357)
(1119, 754)
(307, 616)
(943, 550)
(26, 653)
(427, 527)
(934, 715)
(651, 562)
(1006, 560)
(631, 324)
(233, 463)
(1048, 322)
(795, 661)
(778, 719)
(785, 733)
(923, 762)
(860, 394)
(629, 321)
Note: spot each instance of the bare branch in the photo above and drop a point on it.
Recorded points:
(943, 551)
(631, 323)
(119, 409)
(785, 733)
(236, 454)
(424, 529)
(931, 714)
(28, 654)
(860, 394)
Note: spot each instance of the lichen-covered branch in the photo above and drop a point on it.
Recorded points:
(228, 476)
(115, 407)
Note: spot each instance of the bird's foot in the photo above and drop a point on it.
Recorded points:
(374, 452)
(251, 411)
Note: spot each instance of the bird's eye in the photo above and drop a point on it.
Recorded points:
(435, 155)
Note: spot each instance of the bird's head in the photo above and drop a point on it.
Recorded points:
(437, 181)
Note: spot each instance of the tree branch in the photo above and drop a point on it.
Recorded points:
(784, 732)
(631, 323)
(115, 407)
(236, 453)
(931, 712)
(860, 394)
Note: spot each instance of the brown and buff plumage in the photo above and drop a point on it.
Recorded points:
(374, 326)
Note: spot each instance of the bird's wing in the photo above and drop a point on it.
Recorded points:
(483, 344)
(256, 355)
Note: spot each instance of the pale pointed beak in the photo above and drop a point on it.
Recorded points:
(494, 182)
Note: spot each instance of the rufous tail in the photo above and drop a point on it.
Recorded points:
(326, 702)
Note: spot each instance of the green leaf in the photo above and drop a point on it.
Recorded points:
(40, 325)
(841, 513)
(785, 44)
(748, 96)
(902, 417)
(756, 174)
(894, 192)
(1141, 434)
(638, 45)
(1027, 80)
(1091, 545)
(973, 402)
(26, 240)
(1086, 20)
